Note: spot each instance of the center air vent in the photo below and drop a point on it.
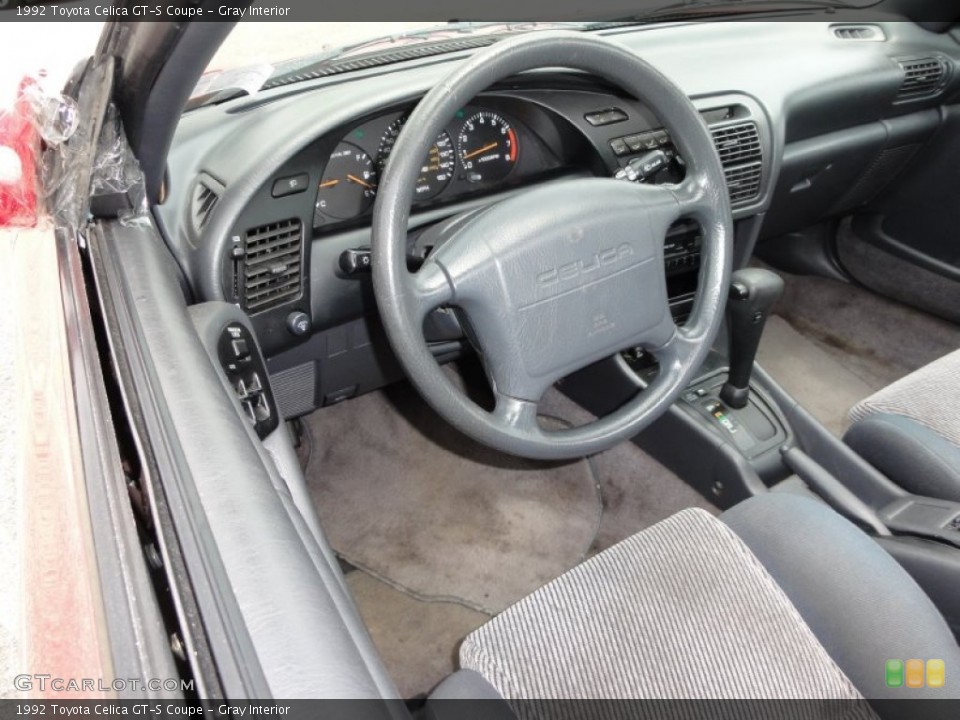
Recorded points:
(271, 272)
(922, 78)
(742, 158)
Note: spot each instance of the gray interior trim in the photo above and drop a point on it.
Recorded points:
(304, 628)
(912, 455)
(276, 450)
(859, 602)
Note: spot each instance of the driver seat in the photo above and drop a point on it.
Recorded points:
(778, 599)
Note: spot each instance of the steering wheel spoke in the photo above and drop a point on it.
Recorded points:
(694, 197)
(518, 415)
(430, 288)
(677, 352)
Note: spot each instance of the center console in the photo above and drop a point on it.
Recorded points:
(735, 433)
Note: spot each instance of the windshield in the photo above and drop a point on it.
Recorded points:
(257, 43)
(255, 52)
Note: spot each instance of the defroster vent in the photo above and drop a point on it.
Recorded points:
(271, 272)
(742, 158)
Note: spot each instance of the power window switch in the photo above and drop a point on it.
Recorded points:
(241, 350)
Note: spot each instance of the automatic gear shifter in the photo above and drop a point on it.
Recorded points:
(753, 291)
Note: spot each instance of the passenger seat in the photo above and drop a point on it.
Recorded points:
(910, 430)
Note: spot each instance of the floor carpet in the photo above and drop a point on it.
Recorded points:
(445, 532)
(878, 339)
(404, 496)
(419, 641)
(820, 382)
(832, 344)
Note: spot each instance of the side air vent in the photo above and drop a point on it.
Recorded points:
(206, 195)
(272, 267)
(922, 78)
(867, 33)
(742, 158)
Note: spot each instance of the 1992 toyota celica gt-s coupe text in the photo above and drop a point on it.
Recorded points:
(517, 362)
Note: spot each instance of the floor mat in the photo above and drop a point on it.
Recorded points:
(446, 532)
(879, 340)
(419, 641)
(821, 383)
(637, 490)
(832, 344)
(405, 497)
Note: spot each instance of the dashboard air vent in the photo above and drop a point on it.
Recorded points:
(742, 158)
(206, 195)
(272, 267)
(870, 33)
(922, 78)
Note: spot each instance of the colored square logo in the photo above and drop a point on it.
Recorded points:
(936, 673)
(894, 673)
(914, 673)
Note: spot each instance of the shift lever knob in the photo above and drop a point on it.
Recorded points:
(753, 291)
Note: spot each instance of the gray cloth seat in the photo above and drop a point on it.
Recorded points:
(910, 430)
(779, 599)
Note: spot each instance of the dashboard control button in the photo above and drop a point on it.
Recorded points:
(298, 323)
(291, 185)
(634, 142)
(240, 348)
(355, 260)
(605, 117)
(619, 147)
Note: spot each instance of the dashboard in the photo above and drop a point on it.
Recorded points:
(485, 148)
(271, 197)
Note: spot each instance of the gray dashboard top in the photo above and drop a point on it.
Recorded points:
(807, 81)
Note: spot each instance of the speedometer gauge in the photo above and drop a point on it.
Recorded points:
(488, 147)
(437, 169)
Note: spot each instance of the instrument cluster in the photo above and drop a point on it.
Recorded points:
(480, 149)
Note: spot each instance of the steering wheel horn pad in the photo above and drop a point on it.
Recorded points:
(560, 276)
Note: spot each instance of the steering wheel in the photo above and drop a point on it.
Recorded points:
(560, 276)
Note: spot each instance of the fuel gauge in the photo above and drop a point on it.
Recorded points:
(349, 183)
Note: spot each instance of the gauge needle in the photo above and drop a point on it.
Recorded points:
(329, 183)
(481, 151)
(358, 181)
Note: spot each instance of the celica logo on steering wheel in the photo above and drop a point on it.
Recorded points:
(585, 266)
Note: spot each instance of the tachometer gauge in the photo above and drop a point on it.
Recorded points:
(349, 183)
(488, 147)
(437, 169)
